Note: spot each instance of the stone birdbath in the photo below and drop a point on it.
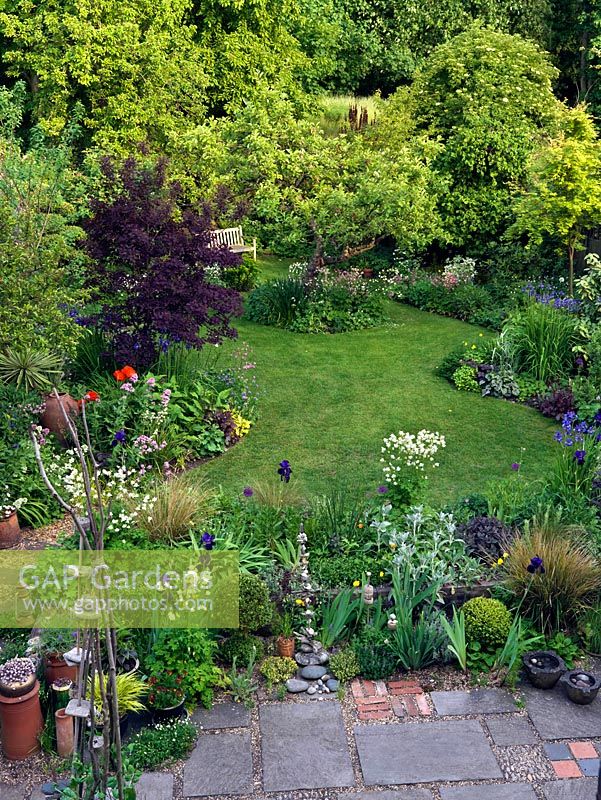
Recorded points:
(543, 668)
(581, 687)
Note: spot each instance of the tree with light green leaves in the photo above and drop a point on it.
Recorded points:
(562, 191)
(41, 262)
(303, 193)
(487, 98)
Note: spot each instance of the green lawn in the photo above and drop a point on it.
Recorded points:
(328, 401)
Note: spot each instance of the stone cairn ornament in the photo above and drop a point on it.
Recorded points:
(311, 657)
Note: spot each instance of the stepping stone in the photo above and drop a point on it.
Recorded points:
(304, 747)
(478, 701)
(453, 750)
(581, 789)
(557, 752)
(556, 717)
(400, 794)
(497, 791)
(11, 792)
(220, 763)
(508, 731)
(155, 786)
(37, 794)
(222, 715)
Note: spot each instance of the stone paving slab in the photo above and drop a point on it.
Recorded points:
(581, 789)
(155, 786)
(222, 715)
(8, 792)
(509, 731)
(221, 763)
(304, 747)
(478, 701)
(556, 717)
(498, 791)
(399, 794)
(452, 750)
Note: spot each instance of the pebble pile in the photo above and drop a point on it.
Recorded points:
(312, 676)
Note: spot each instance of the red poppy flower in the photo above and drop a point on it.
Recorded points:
(118, 375)
(91, 395)
(128, 371)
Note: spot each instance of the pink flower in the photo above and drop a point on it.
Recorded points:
(127, 387)
(150, 381)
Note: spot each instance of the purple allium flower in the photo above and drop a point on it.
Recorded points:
(247, 491)
(536, 565)
(382, 489)
(208, 540)
(579, 456)
(119, 437)
(515, 466)
(285, 471)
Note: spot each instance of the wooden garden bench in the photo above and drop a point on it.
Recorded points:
(233, 239)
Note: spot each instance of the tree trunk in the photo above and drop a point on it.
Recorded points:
(571, 278)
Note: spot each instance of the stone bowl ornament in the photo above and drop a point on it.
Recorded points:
(581, 687)
(17, 677)
(543, 668)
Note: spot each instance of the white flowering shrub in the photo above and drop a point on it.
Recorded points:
(8, 505)
(121, 487)
(404, 451)
(458, 270)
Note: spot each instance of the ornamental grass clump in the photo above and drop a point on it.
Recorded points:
(178, 505)
(566, 582)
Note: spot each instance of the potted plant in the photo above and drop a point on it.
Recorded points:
(130, 689)
(166, 696)
(285, 641)
(51, 646)
(21, 718)
(10, 530)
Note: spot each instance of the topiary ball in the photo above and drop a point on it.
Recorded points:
(486, 621)
(256, 608)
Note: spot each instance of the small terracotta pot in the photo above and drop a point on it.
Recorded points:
(56, 667)
(64, 733)
(10, 531)
(285, 646)
(53, 419)
(368, 272)
(22, 723)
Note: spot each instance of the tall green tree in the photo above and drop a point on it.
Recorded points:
(132, 64)
(487, 98)
(562, 191)
(41, 201)
(300, 191)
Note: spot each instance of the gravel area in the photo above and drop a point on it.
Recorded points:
(524, 763)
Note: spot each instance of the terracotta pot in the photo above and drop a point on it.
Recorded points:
(285, 646)
(368, 272)
(53, 419)
(56, 667)
(22, 722)
(10, 531)
(64, 733)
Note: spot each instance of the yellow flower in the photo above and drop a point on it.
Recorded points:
(505, 555)
(356, 583)
(300, 602)
(473, 347)
(499, 561)
(360, 525)
(392, 546)
(480, 334)
(381, 574)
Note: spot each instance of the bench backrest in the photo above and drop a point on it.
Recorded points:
(226, 237)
